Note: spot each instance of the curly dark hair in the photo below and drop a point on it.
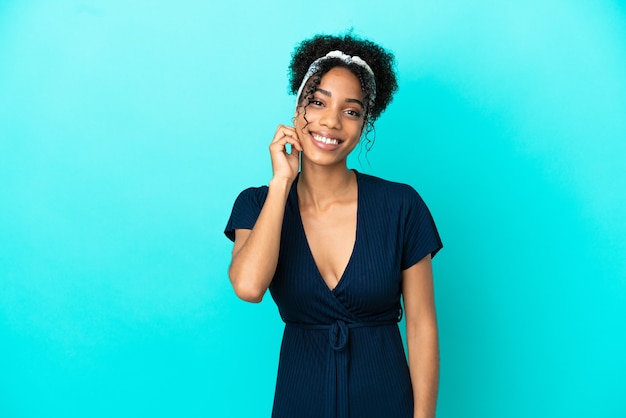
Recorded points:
(381, 62)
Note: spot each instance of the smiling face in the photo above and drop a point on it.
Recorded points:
(334, 121)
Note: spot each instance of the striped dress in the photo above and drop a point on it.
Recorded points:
(342, 354)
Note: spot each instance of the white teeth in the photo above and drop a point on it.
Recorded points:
(325, 140)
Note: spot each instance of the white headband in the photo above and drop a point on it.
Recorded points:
(348, 59)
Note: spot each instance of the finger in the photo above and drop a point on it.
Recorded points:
(283, 130)
(286, 134)
(289, 129)
(279, 138)
(291, 132)
(283, 136)
(281, 143)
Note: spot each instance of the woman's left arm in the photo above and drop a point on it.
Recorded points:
(421, 335)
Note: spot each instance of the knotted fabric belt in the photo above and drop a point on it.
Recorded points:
(337, 405)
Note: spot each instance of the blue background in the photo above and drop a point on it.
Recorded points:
(128, 128)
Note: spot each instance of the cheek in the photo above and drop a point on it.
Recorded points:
(300, 125)
(359, 128)
(304, 116)
(299, 121)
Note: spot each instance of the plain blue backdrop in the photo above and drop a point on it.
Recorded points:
(127, 129)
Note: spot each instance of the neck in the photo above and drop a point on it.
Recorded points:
(323, 186)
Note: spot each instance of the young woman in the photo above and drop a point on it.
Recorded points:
(338, 248)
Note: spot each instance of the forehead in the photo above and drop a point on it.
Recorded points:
(342, 81)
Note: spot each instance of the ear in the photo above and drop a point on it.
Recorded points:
(296, 113)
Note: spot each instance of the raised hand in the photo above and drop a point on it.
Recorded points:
(285, 164)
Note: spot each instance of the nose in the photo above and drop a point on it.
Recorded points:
(330, 118)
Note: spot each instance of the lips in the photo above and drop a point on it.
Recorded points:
(326, 140)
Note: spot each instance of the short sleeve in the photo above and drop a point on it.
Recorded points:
(246, 210)
(420, 232)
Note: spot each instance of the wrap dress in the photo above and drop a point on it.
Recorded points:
(342, 354)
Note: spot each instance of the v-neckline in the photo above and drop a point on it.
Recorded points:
(356, 236)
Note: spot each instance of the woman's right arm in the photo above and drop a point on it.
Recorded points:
(255, 253)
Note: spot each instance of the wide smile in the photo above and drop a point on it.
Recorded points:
(321, 139)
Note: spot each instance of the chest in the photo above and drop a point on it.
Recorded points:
(359, 247)
(331, 237)
(367, 276)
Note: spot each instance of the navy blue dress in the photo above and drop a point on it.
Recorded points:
(342, 354)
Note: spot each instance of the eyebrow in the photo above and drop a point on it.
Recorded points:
(329, 94)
